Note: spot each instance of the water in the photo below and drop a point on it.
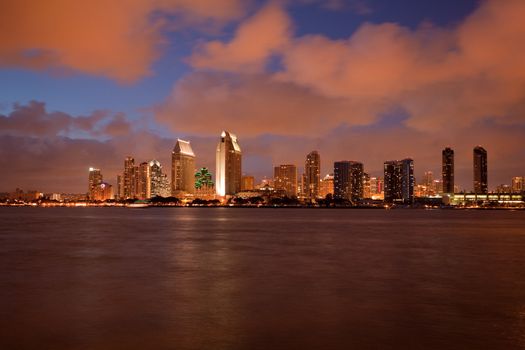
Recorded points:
(225, 278)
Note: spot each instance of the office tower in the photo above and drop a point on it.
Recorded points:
(518, 184)
(399, 181)
(348, 180)
(327, 186)
(480, 170)
(102, 192)
(143, 181)
(158, 180)
(447, 170)
(228, 165)
(95, 179)
(247, 183)
(285, 179)
(120, 187)
(129, 178)
(367, 191)
(312, 172)
(182, 168)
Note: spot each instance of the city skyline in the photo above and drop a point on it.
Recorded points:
(398, 80)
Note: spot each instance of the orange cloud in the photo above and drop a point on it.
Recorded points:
(262, 35)
(440, 76)
(118, 39)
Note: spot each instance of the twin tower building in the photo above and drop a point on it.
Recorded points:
(228, 171)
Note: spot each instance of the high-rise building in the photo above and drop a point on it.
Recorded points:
(129, 178)
(480, 170)
(312, 173)
(159, 183)
(367, 191)
(348, 180)
(182, 168)
(120, 187)
(399, 181)
(228, 165)
(143, 181)
(247, 183)
(327, 186)
(102, 192)
(518, 184)
(447, 170)
(285, 179)
(95, 179)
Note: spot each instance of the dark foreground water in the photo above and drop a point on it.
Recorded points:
(222, 278)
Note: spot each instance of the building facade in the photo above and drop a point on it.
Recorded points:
(285, 179)
(94, 180)
(228, 163)
(247, 183)
(518, 184)
(326, 186)
(480, 170)
(447, 170)
(348, 180)
(399, 181)
(182, 168)
(312, 176)
(129, 178)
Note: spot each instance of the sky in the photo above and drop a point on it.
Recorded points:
(87, 83)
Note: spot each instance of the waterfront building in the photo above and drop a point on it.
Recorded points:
(399, 181)
(228, 165)
(518, 184)
(143, 181)
(129, 178)
(285, 179)
(102, 192)
(120, 187)
(247, 183)
(348, 180)
(159, 183)
(480, 170)
(447, 170)
(312, 175)
(326, 186)
(95, 179)
(182, 168)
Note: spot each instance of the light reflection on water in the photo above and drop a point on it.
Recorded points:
(225, 278)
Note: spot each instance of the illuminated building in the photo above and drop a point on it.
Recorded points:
(182, 168)
(159, 183)
(285, 179)
(447, 170)
(120, 187)
(143, 181)
(518, 184)
(102, 192)
(480, 170)
(247, 183)
(129, 178)
(327, 186)
(348, 180)
(95, 179)
(399, 181)
(376, 186)
(503, 189)
(228, 165)
(367, 192)
(204, 187)
(312, 173)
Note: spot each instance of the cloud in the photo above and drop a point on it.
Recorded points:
(118, 39)
(33, 119)
(258, 38)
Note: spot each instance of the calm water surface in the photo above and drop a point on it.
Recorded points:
(224, 278)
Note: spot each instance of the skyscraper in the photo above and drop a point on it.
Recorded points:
(95, 179)
(518, 184)
(480, 170)
(228, 165)
(285, 179)
(143, 181)
(129, 178)
(182, 168)
(312, 173)
(247, 183)
(327, 186)
(348, 180)
(158, 180)
(447, 170)
(399, 181)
